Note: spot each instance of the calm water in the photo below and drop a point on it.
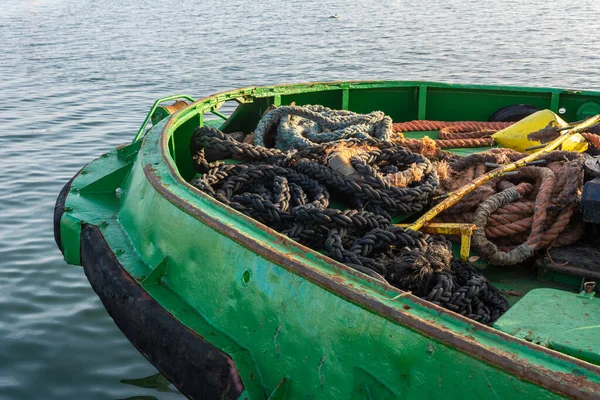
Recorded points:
(77, 77)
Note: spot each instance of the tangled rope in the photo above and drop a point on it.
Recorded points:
(294, 127)
(459, 134)
(516, 236)
(451, 129)
(290, 192)
(533, 209)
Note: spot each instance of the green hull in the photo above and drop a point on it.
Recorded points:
(290, 322)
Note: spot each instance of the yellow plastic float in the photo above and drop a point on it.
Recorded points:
(517, 135)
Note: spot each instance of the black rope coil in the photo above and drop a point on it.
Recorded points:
(290, 192)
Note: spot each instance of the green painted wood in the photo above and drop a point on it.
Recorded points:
(278, 320)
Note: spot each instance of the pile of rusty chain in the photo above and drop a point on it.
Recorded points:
(516, 215)
(290, 192)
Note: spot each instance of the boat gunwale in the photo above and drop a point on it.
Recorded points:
(568, 384)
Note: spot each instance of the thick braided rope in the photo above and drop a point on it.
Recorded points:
(460, 134)
(449, 134)
(485, 247)
(542, 202)
(290, 193)
(592, 138)
(448, 126)
(464, 143)
(301, 127)
(374, 191)
(541, 217)
(417, 144)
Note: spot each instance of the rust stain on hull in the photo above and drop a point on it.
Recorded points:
(565, 384)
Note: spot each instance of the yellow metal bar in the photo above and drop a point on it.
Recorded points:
(465, 246)
(464, 230)
(455, 196)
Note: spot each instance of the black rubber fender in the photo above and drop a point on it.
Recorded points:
(197, 368)
(59, 210)
(513, 113)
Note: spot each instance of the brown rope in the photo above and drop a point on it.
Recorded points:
(547, 196)
(459, 134)
(464, 143)
(431, 148)
(544, 213)
(463, 134)
(448, 126)
(592, 138)
(446, 133)
(495, 229)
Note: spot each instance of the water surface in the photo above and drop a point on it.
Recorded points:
(77, 78)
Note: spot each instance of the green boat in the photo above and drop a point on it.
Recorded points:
(226, 307)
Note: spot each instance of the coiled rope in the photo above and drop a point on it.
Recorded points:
(533, 209)
(294, 127)
(519, 218)
(290, 192)
(457, 134)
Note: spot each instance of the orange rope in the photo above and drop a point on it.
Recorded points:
(452, 134)
(464, 143)
(592, 138)
(450, 126)
(537, 222)
(545, 216)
